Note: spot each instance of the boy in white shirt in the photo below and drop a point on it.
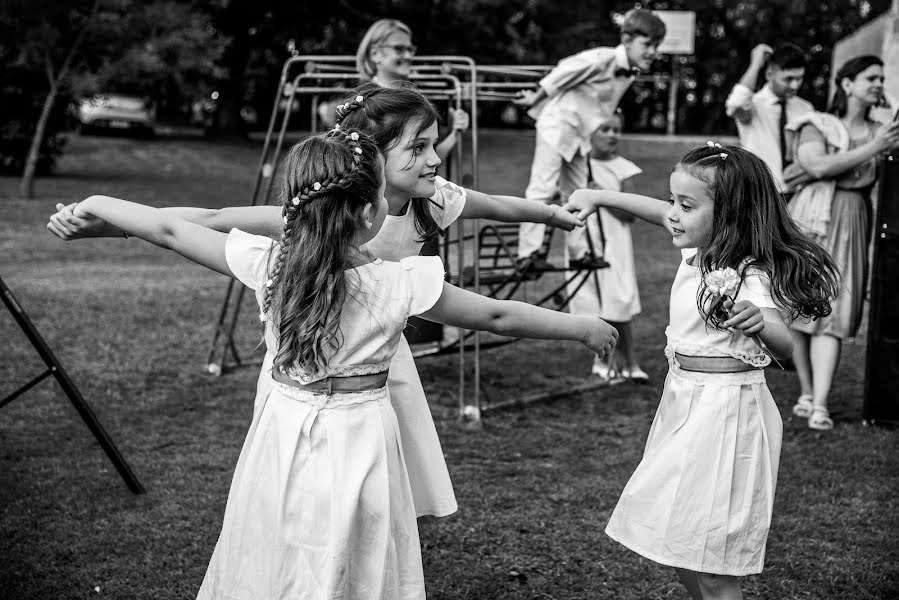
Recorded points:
(571, 102)
(762, 115)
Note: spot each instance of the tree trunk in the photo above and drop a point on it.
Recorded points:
(26, 186)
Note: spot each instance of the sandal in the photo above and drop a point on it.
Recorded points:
(820, 419)
(635, 374)
(803, 407)
(606, 373)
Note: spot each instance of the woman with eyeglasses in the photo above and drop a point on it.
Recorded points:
(385, 57)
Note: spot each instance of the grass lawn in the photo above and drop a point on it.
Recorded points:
(132, 325)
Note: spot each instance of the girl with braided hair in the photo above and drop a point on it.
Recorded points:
(701, 499)
(403, 124)
(321, 504)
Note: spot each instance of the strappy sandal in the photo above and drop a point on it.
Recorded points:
(803, 407)
(820, 419)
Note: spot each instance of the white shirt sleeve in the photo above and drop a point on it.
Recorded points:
(576, 69)
(423, 276)
(740, 98)
(447, 202)
(248, 256)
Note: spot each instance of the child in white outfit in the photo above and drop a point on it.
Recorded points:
(321, 504)
(568, 106)
(618, 300)
(702, 496)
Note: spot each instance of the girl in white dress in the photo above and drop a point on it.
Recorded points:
(321, 504)
(403, 124)
(618, 301)
(701, 498)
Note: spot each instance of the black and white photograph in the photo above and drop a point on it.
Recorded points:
(456, 300)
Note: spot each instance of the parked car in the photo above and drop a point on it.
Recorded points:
(117, 112)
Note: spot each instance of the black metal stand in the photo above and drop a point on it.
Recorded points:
(55, 369)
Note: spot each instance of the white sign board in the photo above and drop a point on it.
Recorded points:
(681, 31)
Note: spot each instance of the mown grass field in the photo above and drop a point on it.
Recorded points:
(132, 325)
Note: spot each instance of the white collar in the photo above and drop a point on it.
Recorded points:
(621, 57)
(768, 94)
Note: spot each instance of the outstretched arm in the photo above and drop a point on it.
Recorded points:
(194, 242)
(585, 202)
(468, 310)
(259, 220)
(511, 209)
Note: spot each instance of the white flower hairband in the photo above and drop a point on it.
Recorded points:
(716, 145)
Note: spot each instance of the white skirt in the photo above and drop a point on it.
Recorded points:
(702, 496)
(320, 505)
(432, 489)
(619, 298)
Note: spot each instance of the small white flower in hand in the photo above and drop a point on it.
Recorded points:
(723, 282)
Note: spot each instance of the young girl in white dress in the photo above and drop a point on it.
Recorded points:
(619, 299)
(701, 498)
(321, 504)
(403, 124)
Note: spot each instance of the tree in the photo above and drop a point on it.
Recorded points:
(92, 45)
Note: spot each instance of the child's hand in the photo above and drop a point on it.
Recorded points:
(601, 337)
(67, 226)
(526, 98)
(583, 203)
(745, 317)
(563, 219)
(460, 119)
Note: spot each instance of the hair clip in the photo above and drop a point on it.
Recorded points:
(359, 98)
(295, 201)
(337, 127)
(357, 150)
(286, 219)
(712, 144)
(723, 155)
(316, 186)
(354, 136)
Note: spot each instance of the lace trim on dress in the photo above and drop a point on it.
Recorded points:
(756, 359)
(349, 371)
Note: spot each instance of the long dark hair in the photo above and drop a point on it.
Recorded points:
(850, 70)
(384, 114)
(326, 180)
(752, 228)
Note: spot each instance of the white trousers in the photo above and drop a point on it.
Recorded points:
(551, 172)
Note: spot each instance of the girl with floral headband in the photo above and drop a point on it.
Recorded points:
(321, 505)
(403, 124)
(702, 496)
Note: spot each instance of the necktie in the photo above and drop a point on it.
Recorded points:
(781, 127)
(627, 72)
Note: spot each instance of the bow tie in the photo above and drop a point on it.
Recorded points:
(627, 72)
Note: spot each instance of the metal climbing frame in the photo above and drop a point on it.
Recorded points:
(454, 79)
(329, 75)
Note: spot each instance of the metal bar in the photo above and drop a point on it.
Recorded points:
(26, 387)
(68, 387)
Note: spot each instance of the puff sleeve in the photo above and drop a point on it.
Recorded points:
(756, 288)
(247, 256)
(448, 202)
(423, 279)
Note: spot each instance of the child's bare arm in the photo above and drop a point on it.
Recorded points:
(585, 202)
(512, 209)
(468, 310)
(195, 242)
(259, 220)
(766, 323)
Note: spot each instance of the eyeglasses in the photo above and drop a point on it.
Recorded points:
(401, 48)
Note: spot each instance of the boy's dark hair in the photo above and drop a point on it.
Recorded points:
(788, 56)
(639, 21)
